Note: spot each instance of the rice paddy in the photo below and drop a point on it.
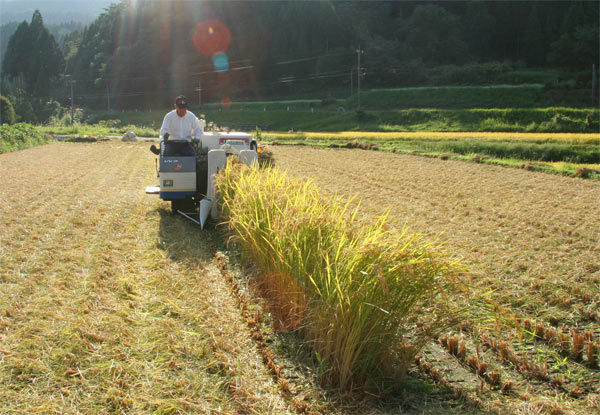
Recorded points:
(570, 154)
(532, 238)
(109, 304)
(570, 138)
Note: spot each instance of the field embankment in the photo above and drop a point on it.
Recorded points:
(495, 108)
(337, 117)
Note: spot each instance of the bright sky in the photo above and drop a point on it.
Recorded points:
(53, 11)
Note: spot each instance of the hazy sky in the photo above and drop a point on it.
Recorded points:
(53, 11)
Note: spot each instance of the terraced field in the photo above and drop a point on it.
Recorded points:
(109, 304)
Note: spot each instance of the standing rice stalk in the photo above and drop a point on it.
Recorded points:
(371, 297)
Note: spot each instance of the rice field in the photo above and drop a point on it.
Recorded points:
(363, 297)
(109, 304)
(570, 138)
(531, 238)
(571, 154)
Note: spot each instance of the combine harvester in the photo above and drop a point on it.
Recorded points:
(189, 181)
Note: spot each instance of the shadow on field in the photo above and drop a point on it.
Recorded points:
(187, 244)
(182, 239)
(415, 395)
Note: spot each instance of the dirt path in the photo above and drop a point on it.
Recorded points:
(108, 303)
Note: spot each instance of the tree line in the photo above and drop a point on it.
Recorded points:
(142, 53)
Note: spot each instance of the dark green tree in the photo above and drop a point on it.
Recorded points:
(17, 57)
(476, 23)
(7, 112)
(578, 46)
(32, 55)
(433, 35)
(533, 41)
(577, 50)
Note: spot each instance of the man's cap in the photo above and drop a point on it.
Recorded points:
(181, 102)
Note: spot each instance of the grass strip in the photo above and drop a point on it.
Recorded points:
(567, 154)
(99, 130)
(19, 136)
(365, 297)
(393, 136)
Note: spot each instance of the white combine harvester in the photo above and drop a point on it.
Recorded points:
(189, 181)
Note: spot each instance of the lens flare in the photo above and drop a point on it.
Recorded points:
(211, 37)
(226, 102)
(221, 62)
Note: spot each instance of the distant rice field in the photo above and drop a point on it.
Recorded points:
(572, 138)
(531, 240)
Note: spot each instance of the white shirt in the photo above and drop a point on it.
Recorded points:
(181, 128)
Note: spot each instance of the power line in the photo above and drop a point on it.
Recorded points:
(248, 64)
(339, 73)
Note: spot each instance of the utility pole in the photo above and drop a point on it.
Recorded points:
(594, 83)
(72, 103)
(199, 89)
(359, 52)
(351, 83)
(107, 98)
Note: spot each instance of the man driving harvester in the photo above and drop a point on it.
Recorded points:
(178, 129)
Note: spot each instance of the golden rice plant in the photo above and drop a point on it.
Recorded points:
(370, 297)
(573, 138)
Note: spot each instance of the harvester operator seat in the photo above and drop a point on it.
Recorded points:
(178, 148)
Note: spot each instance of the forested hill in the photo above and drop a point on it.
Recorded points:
(146, 51)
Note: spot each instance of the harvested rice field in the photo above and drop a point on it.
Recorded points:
(532, 239)
(110, 304)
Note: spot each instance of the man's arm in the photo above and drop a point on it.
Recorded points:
(196, 128)
(164, 129)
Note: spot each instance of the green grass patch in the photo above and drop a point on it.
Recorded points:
(578, 154)
(568, 154)
(102, 128)
(479, 120)
(553, 120)
(497, 96)
(366, 298)
(497, 108)
(20, 136)
(547, 150)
